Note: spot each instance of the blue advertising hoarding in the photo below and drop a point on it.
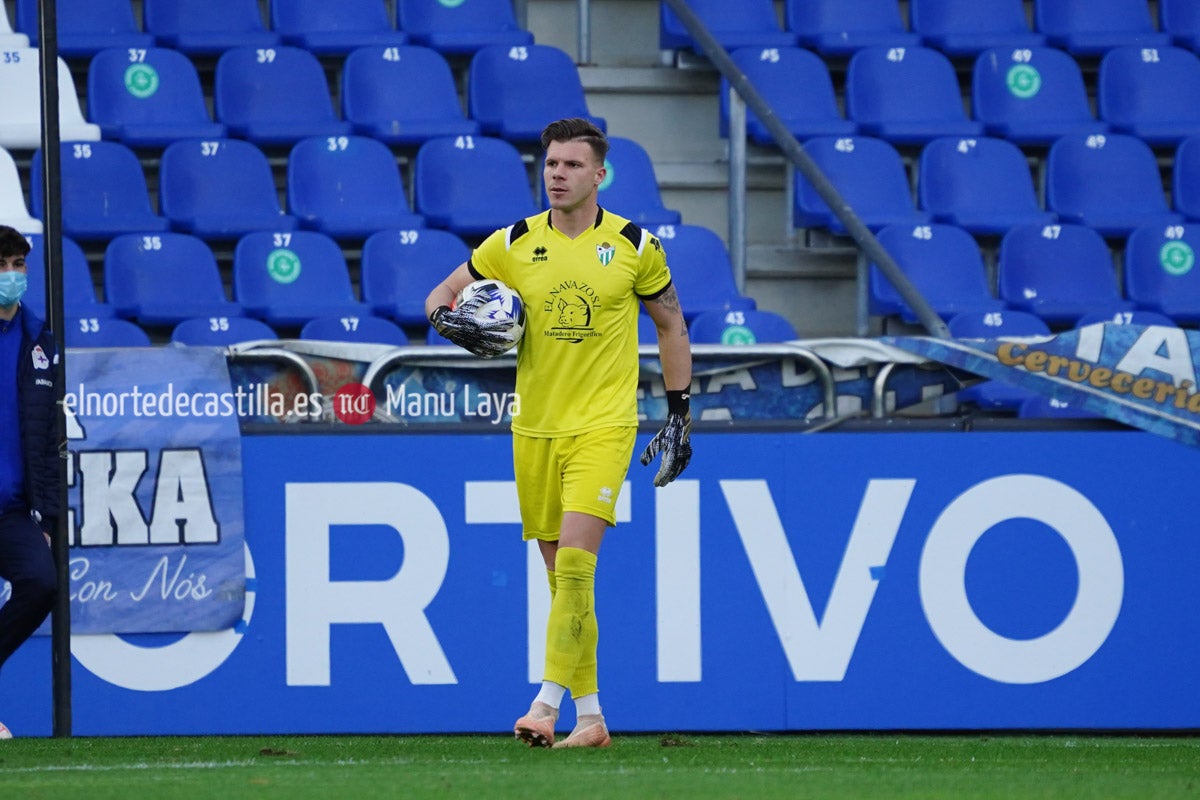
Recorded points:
(786, 582)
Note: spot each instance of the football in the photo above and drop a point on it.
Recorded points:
(500, 303)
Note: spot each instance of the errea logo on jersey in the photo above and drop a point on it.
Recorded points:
(540, 254)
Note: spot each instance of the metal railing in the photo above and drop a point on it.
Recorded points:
(378, 369)
(743, 94)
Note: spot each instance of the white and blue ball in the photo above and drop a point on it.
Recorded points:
(500, 303)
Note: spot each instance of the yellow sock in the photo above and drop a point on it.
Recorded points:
(571, 630)
(553, 581)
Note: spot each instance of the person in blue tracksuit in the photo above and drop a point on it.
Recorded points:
(29, 470)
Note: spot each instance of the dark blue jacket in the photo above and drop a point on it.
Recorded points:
(37, 371)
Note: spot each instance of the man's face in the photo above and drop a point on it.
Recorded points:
(571, 173)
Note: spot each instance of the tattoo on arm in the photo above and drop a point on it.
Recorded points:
(669, 300)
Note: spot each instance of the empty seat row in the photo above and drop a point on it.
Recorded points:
(401, 95)
(287, 278)
(1030, 95)
(1110, 182)
(957, 27)
(1059, 273)
(736, 328)
(345, 186)
(212, 26)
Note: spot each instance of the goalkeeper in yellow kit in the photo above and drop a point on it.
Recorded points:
(582, 272)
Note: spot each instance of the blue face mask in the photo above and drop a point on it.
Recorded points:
(12, 287)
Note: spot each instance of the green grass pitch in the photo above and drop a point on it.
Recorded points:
(752, 766)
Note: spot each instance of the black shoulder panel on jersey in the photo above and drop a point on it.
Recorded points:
(633, 233)
(519, 229)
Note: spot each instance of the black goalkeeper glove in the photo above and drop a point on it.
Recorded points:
(672, 440)
(460, 326)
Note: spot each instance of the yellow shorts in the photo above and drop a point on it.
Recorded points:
(572, 473)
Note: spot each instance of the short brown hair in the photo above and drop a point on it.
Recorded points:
(12, 243)
(576, 129)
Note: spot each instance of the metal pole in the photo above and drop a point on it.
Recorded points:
(585, 32)
(60, 625)
(796, 154)
(737, 187)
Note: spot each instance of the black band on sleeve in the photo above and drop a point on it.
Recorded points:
(656, 295)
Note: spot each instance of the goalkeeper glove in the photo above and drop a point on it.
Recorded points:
(672, 440)
(459, 325)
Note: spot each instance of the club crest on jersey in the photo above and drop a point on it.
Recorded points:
(605, 253)
(39, 358)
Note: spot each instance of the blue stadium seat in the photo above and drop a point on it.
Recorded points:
(1058, 272)
(21, 104)
(104, 191)
(163, 279)
(630, 188)
(326, 28)
(276, 95)
(839, 27)
(448, 173)
(86, 26)
(1181, 19)
(996, 395)
(881, 83)
(959, 28)
(1161, 273)
(461, 28)
(514, 93)
(1150, 92)
(221, 331)
(148, 97)
(361, 330)
(1135, 317)
(207, 26)
(114, 332)
(1110, 183)
(702, 272)
(347, 186)
(13, 211)
(1185, 178)
(997, 325)
(1031, 96)
(870, 176)
(750, 326)
(1089, 27)
(219, 189)
(943, 262)
(400, 267)
(796, 83)
(984, 185)
(79, 291)
(402, 95)
(288, 278)
(749, 23)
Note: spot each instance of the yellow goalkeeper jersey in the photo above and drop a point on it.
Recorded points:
(577, 364)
